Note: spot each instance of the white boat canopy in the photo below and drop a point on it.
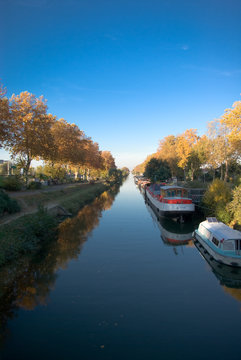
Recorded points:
(221, 231)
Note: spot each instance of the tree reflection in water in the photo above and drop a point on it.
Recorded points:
(26, 283)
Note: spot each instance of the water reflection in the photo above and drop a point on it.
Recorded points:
(229, 277)
(27, 283)
(172, 233)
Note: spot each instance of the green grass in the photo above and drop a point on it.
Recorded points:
(71, 192)
(25, 235)
(73, 202)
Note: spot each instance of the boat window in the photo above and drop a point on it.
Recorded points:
(238, 244)
(215, 241)
(184, 193)
(179, 193)
(228, 245)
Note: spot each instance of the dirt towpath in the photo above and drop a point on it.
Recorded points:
(23, 196)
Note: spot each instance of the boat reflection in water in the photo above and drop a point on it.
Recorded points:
(229, 277)
(173, 233)
(27, 283)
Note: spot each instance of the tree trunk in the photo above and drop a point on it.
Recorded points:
(26, 170)
(226, 171)
(221, 175)
(192, 172)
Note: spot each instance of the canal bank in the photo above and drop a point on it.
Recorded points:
(114, 287)
(37, 223)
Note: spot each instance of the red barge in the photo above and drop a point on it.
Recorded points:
(170, 200)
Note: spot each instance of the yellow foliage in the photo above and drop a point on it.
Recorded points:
(232, 121)
(184, 146)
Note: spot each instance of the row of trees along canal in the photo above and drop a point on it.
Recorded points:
(28, 132)
(191, 157)
(188, 155)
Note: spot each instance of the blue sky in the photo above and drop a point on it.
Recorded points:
(126, 72)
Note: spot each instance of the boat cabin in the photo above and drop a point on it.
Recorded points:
(174, 192)
(174, 195)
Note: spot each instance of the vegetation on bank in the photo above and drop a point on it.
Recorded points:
(8, 205)
(223, 202)
(73, 202)
(26, 235)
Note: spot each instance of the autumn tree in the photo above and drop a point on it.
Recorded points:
(232, 121)
(94, 158)
(184, 147)
(109, 161)
(29, 129)
(198, 156)
(222, 150)
(68, 144)
(230, 129)
(167, 151)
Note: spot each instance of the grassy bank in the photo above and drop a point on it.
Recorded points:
(29, 233)
(77, 199)
(26, 235)
(60, 195)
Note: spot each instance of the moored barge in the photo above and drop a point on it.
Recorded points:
(170, 200)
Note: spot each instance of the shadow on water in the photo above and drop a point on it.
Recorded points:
(229, 277)
(27, 283)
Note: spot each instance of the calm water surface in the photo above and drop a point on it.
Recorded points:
(120, 284)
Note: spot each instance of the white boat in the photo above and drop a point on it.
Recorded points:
(220, 241)
(170, 200)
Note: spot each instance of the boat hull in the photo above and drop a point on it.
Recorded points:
(227, 260)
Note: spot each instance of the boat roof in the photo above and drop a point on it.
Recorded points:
(221, 231)
(168, 187)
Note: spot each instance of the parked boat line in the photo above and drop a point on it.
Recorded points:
(219, 241)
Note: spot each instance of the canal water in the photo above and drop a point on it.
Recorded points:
(120, 284)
